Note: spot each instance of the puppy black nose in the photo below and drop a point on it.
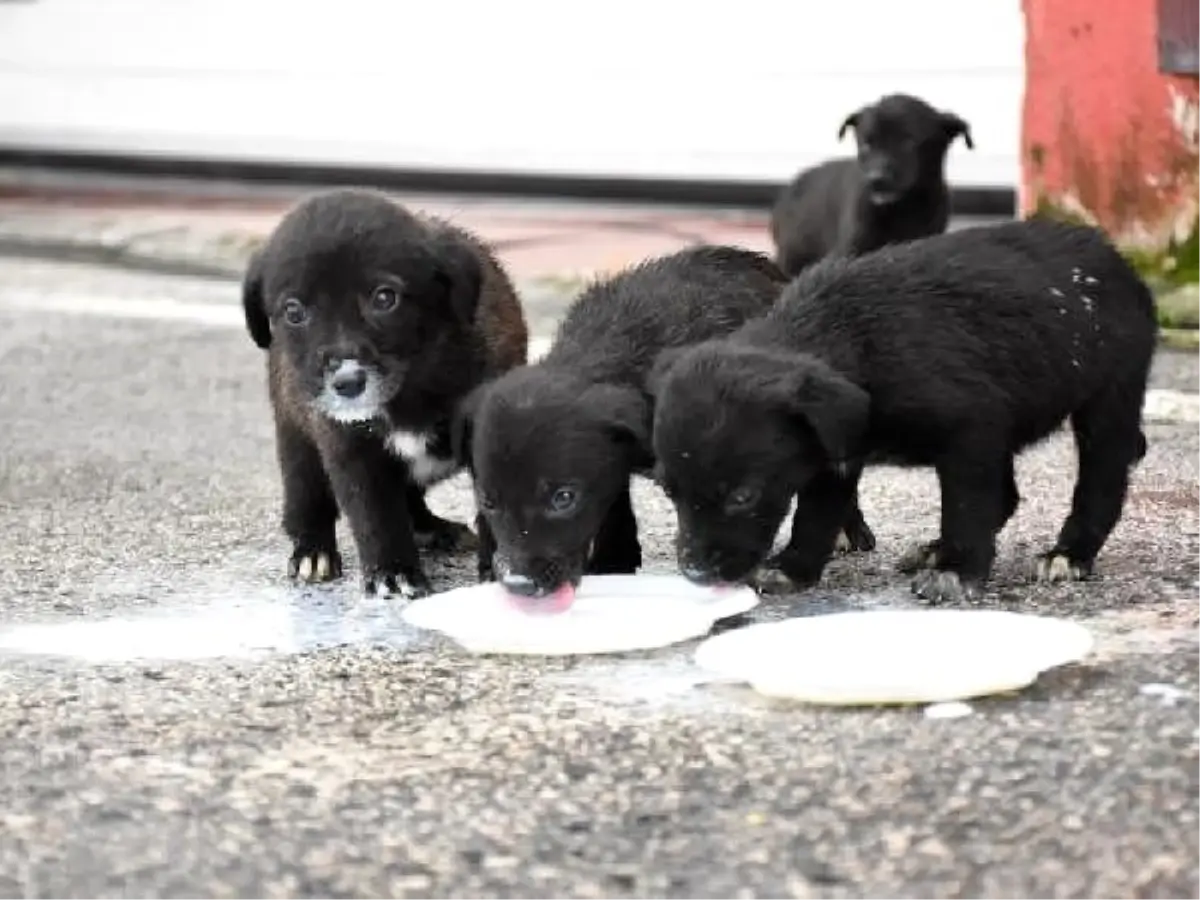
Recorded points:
(696, 575)
(349, 382)
(521, 585)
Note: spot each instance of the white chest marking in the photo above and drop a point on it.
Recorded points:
(413, 448)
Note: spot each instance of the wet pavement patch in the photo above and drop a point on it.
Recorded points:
(259, 623)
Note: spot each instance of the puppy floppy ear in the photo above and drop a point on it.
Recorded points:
(461, 272)
(955, 126)
(851, 121)
(254, 307)
(623, 410)
(836, 409)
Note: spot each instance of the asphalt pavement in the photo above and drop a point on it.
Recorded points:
(293, 742)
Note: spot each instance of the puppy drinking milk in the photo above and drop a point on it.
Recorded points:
(895, 190)
(955, 352)
(553, 444)
(376, 323)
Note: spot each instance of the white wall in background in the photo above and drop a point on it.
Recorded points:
(747, 90)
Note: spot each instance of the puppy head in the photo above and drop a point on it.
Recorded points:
(360, 297)
(738, 431)
(902, 142)
(550, 453)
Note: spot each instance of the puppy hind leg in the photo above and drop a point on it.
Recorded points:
(1109, 443)
(309, 509)
(974, 498)
(925, 555)
(616, 550)
(431, 531)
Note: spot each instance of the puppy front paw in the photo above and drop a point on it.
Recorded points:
(918, 557)
(385, 583)
(842, 544)
(314, 565)
(767, 580)
(797, 573)
(855, 537)
(442, 535)
(1055, 566)
(942, 586)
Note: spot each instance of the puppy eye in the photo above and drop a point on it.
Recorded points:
(294, 312)
(562, 500)
(741, 499)
(384, 299)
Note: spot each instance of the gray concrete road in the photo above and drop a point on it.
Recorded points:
(352, 757)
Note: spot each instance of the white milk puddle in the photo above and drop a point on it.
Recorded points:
(260, 622)
(672, 680)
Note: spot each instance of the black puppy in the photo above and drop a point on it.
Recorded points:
(956, 352)
(377, 322)
(894, 191)
(553, 444)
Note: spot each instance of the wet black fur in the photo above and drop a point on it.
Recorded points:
(580, 417)
(331, 251)
(829, 209)
(956, 352)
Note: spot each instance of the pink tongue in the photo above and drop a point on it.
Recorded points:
(558, 602)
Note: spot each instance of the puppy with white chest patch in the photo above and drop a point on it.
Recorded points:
(956, 352)
(553, 444)
(376, 322)
(894, 190)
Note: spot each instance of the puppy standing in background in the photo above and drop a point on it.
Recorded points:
(955, 352)
(376, 322)
(895, 190)
(554, 444)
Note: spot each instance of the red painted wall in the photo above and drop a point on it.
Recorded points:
(1104, 133)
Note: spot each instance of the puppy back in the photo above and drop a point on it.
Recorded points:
(618, 324)
(1039, 304)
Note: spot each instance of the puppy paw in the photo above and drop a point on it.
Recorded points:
(918, 557)
(1054, 566)
(380, 583)
(772, 581)
(940, 586)
(445, 536)
(856, 537)
(799, 572)
(314, 566)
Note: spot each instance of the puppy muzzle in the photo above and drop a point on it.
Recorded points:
(350, 391)
(536, 577)
(714, 566)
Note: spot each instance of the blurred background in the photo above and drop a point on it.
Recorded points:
(664, 91)
(1079, 108)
